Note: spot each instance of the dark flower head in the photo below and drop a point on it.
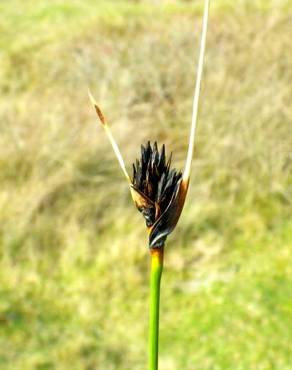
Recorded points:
(154, 180)
(155, 189)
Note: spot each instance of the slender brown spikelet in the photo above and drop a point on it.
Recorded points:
(100, 114)
(97, 109)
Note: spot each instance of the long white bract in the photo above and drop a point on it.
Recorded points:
(110, 136)
(187, 170)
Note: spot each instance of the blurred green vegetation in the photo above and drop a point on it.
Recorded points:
(74, 258)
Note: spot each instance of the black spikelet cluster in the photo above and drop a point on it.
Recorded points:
(154, 179)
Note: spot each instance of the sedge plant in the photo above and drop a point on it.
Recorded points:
(159, 193)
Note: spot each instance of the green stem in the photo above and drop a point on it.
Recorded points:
(155, 278)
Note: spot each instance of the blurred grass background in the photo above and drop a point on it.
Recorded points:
(74, 261)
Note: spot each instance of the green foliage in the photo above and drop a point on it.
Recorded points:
(74, 261)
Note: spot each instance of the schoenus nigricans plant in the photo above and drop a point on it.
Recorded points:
(159, 193)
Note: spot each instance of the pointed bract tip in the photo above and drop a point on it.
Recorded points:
(97, 109)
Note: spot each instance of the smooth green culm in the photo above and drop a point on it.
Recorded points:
(155, 279)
